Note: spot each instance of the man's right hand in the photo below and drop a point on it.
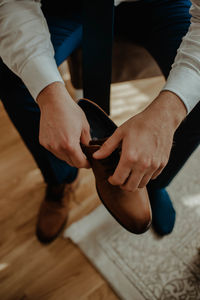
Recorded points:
(63, 125)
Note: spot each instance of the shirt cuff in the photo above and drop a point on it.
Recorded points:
(185, 83)
(38, 73)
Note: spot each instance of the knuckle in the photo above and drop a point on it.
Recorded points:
(62, 147)
(155, 164)
(80, 164)
(68, 146)
(56, 148)
(79, 161)
(163, 163)
(132, 157)
(144, 163)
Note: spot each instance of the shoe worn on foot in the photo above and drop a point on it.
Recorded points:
(54, 210)
(131, 209)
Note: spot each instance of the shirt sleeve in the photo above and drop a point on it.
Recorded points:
(184, 78)
(25, 45)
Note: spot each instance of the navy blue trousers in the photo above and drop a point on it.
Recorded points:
(159, 26)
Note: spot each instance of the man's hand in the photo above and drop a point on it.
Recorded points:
(146, 141)
(63, 125)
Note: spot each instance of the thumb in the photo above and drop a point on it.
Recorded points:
(108, 147)
(85, 136)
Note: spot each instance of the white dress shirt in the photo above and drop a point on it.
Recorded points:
(25, 47)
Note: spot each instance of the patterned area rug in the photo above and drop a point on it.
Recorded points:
(147, 266)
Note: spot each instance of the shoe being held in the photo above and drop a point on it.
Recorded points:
(132, 210)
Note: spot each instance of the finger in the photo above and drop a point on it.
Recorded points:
(121, 173)
(85, 136)
(69, 161)
(146, 178)
(78, 158)
(157, 173)
(133, 181)
(108, 147)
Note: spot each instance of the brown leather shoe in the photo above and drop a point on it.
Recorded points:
(131, 209)
(54, 210)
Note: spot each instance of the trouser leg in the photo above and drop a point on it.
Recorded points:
(23, 110)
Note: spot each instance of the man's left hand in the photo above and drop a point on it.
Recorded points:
(146, 140)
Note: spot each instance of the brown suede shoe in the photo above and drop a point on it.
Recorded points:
(54, 210)
(131, 209)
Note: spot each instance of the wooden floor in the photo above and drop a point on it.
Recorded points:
(59, 271)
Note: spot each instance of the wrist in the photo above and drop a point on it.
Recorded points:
(54, 94)
(170, 108)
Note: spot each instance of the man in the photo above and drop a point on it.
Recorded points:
(146, 139)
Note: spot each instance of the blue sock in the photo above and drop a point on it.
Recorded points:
(163, 213)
